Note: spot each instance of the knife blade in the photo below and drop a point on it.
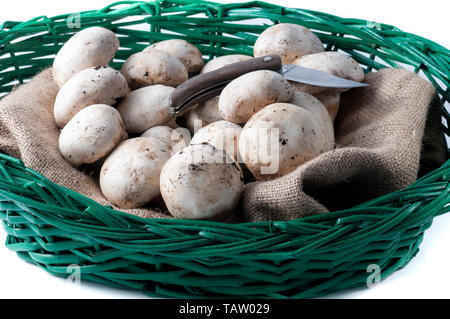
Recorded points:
(205, 86)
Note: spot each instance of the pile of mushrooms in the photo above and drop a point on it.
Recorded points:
(261, 122)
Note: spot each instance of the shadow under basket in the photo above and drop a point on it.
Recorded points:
(56, 228)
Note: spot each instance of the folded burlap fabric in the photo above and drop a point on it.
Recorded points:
(384, 138)
(385, 133)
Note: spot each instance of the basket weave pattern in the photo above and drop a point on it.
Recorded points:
(54, 227)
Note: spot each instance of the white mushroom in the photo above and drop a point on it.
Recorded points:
(129, 177)
(184, 51)
(145, 108)
(289, 41)
(99, 85)
(249, 93)
(279, 138)
(88, 48)
(91, 134)
(178, 138)
(201, 182)
(336, 63)
(221, 134)
(317, 109)
(172, 123)
(153, 67)
(208, 112)
(224, 60)
(204, 114)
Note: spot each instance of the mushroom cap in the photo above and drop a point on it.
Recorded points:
(184, 51)
(336, 63)
(205, 113)
(222, 135)
(98, 85)
(331, 101)
(279, 138)
(177, 138)
(98, 46)
(313, 105)
(249, 93)
(146, 107)
(289, 41)
(153, 67)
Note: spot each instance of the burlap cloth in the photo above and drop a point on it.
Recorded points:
(381, 147)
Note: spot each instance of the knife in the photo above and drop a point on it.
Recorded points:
(205, 86)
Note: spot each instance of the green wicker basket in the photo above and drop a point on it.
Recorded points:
(54, 227)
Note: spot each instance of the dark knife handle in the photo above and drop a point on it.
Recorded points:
(201, 87)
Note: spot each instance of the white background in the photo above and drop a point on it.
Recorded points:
(425, 277)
